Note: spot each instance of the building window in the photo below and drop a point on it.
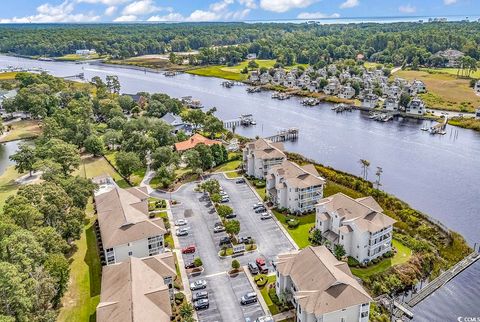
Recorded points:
(110, 254)
(130, 253)
(342, 237)
(364, 314)
(154, 245)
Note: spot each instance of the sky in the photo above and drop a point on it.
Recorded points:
(88, 11)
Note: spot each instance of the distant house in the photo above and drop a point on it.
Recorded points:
(194, 141)
(418, 87)
(125, 227)
(391, 104)
(254, 76)
(347, 92)
(416, 106)
(452, 57)
(370, 100)
(359, 225)
(296, 188)
(85, 52)
(333, 86)
(320, 287)
(7, 94)
(261, 155)
(177, 123)
(137, 290)
(252, 56)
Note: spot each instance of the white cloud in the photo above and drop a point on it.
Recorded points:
(106, 2)
(317, 15)
(47, 12)
(110, 10)
(407, 9)
(284, 5)
(349, 4)
(251, 4)
(449, 2)
(221, 5)
(201, 15)
(173, 16)
(237, 15)
(127, 18)
(141, 7)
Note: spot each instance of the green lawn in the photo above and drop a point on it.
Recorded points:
(301, 233)
(75, 57)
(232, 174)
(7, 75)
(264, 291)
(8, 186)
(136, 178)
(96, 166)
(403, 255)
(83, 295)
(452, 71)
(21, 130)
(229, 166)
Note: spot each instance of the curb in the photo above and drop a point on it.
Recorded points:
(260, 298)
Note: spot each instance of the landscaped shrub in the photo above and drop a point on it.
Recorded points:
(260, 184)
(261, 280)
(292, 223)
(179, 298)
(273, 296)
(388, 254)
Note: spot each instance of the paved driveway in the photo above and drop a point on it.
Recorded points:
(225, 291)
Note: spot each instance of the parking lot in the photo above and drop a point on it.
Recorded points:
(225, 291)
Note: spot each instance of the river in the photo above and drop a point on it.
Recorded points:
(438, 175)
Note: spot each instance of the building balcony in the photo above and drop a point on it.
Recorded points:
(382, 232)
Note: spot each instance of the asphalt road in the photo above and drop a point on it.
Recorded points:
(225, 291)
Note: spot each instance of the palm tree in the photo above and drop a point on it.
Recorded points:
(186, 311)
(378, 174)
(365, 165)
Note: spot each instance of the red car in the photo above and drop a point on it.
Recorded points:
(262, 267)
(189, 249)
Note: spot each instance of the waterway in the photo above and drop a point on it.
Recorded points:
(438, 175)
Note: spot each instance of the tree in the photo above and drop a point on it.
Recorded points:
(192, 159)
(22, 250)
(19, 210)
(58, 268)
(51, 241)
(197, 262)
(15, 300)
(24, 158)
(404, 99)
(317, 237)
(61, 152)
(113, 84)
(165, 176)
(206, 157)
(126, 102)
(216, 198)
(232, 227)
(127, 163)
(186, 310)
(213, 125)
(365, 165)
(94, 145)
(163, 156)
(252, 64)
(339, 251)
(235, 264)
(224, 210)
(378, 174)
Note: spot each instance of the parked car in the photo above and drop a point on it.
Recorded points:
(260, 210)
(241, 180)
(225, 199)
(223, 193)
(202, 304)
(224, 241)
(253, 268)
(265, 215)
(230, 216)
(245, 240)
(248, 298)
(189, 265)
(200, 295)
(181, 222)
(218, 223)
(182, 232)
(262, 267)
(198, 285)
(218, 229)
(258, 205)
(189, 249)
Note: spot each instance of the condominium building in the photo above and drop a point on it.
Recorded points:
(260, 155)
(320, 287)
(296, 188)
(359, 225)
(138, 290)
(125, 227)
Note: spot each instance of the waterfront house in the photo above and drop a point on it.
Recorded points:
(347, 92)
(418, 87)
(279, 76)
(416, 106)
(265, 78)
(293, 187)
(344, 76)
(193, 141)
(359, 225)
(333, 86)
(177, 123)
(320, 287)
(391, 103)
(260, 155)
(125, 227)
(85, 52)
(137, 290)
(254, 76)
(290, 80)
(476, 88)
(370, 100)
(394, 91)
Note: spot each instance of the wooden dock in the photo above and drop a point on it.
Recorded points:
(285, 135)
(243, 120)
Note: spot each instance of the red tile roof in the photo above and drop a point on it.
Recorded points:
(194, 141)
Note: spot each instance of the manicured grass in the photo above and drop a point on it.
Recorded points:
(136, 177)
(301, 233)
(403, 255)
(264, 291)
(8, 186)
(83, 294)
(229, 166)
(445, 91)
(97, 166)
(7, 75)
(451, 71)
(232, 174)
(21, 130)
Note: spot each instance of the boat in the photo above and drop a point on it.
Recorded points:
(254, 89)
(310, 101)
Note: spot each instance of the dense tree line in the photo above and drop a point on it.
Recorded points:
(395, 43)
